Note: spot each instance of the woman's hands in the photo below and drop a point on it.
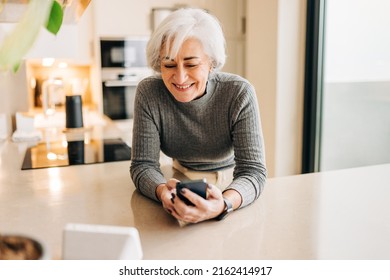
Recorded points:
(165, 192)
(202, 210)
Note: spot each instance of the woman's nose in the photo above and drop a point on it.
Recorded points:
(180, 75)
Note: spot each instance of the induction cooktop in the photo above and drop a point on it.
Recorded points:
(66, 153)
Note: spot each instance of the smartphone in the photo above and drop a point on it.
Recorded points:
(197, 186)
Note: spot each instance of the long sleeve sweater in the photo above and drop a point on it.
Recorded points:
(219, 130)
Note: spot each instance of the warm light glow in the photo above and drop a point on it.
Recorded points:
(62, 65)
(51, 156)
(33, 83)
(64, 143)
(48, 61)
(55, 182)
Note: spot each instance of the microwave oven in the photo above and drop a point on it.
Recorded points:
(126, 52)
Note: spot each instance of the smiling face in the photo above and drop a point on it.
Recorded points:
(186, 75)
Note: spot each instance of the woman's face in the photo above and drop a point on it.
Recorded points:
(186, 75)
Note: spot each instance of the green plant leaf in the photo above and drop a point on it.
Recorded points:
(17, 43)
(55, 19)
(16, 67)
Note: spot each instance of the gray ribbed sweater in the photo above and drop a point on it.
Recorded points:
(219, 130)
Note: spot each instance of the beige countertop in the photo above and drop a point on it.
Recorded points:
(333, 215)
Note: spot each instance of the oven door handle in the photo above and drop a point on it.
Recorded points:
(114, 83)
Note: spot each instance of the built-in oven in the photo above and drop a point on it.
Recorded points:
(118, 97)
(123, 66)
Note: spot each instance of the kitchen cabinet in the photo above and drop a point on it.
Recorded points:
(232, 16)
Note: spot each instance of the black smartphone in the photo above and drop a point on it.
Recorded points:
(197, 186)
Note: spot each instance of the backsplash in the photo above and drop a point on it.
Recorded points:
(57, 81)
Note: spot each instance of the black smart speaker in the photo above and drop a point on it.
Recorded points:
(74, 111)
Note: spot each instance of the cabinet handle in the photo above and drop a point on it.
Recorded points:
(120, 83)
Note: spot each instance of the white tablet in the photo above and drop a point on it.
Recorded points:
(100, 242)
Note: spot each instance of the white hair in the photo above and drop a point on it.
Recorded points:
(181, 25)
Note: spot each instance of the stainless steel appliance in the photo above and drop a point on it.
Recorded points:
(124, 65)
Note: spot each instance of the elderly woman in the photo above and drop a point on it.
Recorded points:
(207, 121)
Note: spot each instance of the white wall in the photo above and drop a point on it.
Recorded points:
(275, 66)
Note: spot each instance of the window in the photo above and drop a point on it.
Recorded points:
(347, 85)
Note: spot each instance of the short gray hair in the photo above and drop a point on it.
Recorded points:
(181, 25)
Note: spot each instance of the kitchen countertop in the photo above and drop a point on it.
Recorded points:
(341, 214)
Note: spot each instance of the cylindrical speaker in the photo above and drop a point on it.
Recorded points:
(74, 111)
